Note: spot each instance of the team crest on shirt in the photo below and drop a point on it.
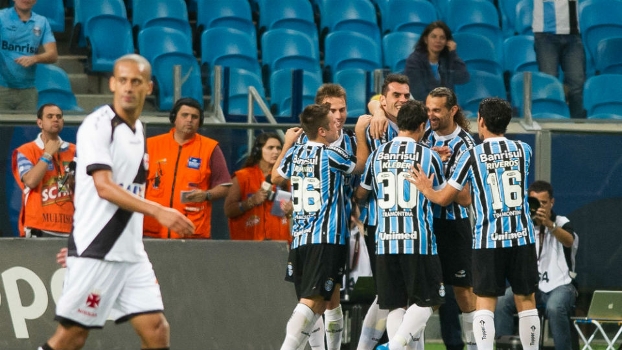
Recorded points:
(329, 285)
(36, 31)
(441, 291)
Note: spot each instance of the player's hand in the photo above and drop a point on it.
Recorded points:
(61, 257)
(420, 179)
(174, 220)
(26, 61)
(362, 123)
(197, 196)
(52, 146)
(443, 151)
(379, 124)
(543, 217)
(291, 135)
(259, 197)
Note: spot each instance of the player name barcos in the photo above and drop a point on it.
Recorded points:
(502, 160)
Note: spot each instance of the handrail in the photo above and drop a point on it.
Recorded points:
(253, 95)
(528, 123)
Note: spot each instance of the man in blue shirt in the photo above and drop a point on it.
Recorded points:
(22, 32)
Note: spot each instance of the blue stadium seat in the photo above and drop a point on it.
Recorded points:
(288, 49)
(85, 9)
(524, 17)
(608, 59)
(353, 15)
(396, 47)
(507, 8)
(347, 49)
(239, 81)
(162, 69)
(229, 47)
(408, 16)
(53, 86)
(154, 41)
(480, 86)
(166, 13)
(479, 17)
(519, 54)
(109, 38)
(602, 96)
(357, 84)
(477, 52)
(290, 14)
(54, 11)
(235, 14)
(599, 20)
(281, 92)
(547, 96)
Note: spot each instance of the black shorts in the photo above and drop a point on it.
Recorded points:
(316, 269)
(517, 265)
(454, 239)
(404, 279)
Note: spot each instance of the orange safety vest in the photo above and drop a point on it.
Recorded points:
(173, 169)
(257, 223)
(45, 207)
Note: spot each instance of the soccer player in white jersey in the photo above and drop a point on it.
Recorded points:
(320, 228)
(503, 238)
(108, 271)
(407, 265)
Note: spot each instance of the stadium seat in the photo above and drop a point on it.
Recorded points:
(507, 8)
(357, 84)
(281, 92)
(237, 94)
(347, 49)
(599, 20)
(54, 11)
(154, 41)
(228, 47)
(191, 85)
(408, 16)
(477, 52)
(602, 96)
(234, 14)
(480, 86)
(547, 96)
(289, 14)
(479, 17)
(85, 9)
(53, 86)
(288, 49)
(109, 38)
(353, 15)
(166, 13)
(519, 54)
(396, 47)
(608, 58)
(524, 17)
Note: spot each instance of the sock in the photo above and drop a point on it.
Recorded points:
(529, 329)
(467, 330)
(484, 329)
(412, 325)
(45, 347)
(394, 320)
(334, 328)
(298, 327)
(316, 338)
(419, 343)
(374, 325)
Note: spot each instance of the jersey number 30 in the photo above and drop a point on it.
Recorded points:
(394, 190)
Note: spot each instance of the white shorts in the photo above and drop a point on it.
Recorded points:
(95, 290)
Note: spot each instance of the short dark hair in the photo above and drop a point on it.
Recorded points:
(496, 113)
(190, 102)
(451, 100)
(313, 117)
(329, 90)
(541, 186)
(411, 115)
(393, 78)
(421, 46)
(255, 154)
(40, 110)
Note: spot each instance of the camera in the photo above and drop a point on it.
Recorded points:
(534, 204)
(267, 186)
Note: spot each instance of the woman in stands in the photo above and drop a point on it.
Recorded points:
(250, 200)
(434, 62)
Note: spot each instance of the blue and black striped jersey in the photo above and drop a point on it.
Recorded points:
(405, 217)
(498, 170)
(317, 175)
(458, 141)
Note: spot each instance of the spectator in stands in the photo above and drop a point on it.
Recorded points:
(557, 42)
(22, 32)
(43, 171)
(556, 245)
(249, 204)
(187, 171)
(434, 62)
